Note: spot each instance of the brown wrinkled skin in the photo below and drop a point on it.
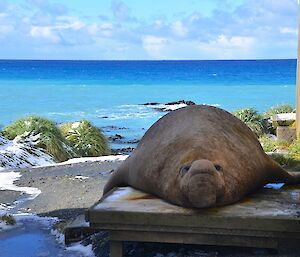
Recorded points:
(223, 160)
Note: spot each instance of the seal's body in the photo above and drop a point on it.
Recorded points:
(199, 156)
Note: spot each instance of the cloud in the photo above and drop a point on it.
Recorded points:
(288, 30)
(47, 33)
(104, 29)
(121, 11)
(234, 47)
(254, 29)
(154, 45)
(179, 29)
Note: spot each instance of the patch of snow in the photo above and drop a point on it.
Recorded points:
(76, 247)
(108, 158)
(84, 250)
(7, 180)
(81, 177)
(22, 153)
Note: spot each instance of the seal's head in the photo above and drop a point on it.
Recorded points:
(201, 183)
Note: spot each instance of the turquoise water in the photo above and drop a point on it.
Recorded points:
(110, 93)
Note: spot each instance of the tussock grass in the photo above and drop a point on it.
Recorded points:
(85, 139)
(252, 119)
(283, 108)
(48, 136)
(8, 219)
(272, 145)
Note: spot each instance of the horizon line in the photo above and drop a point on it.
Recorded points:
(147, 60)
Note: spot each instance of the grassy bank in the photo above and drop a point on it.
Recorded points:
(69, 140)
(285, 153)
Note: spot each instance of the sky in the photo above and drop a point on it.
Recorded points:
(148, 29)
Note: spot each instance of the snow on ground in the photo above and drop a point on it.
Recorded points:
(75, 247)
(7, 180)
(21, 153)
(108, 158)
(6, 183)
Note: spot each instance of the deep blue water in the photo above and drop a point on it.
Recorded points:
(109, 93)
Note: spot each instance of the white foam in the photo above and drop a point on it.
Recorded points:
(170, 107)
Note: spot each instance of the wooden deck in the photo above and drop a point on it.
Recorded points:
(268, 219)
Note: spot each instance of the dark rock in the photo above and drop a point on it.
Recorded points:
(133, 141)
(181, 102)
(104, 117)
(127, 150)
(115, 137)
(153, 103)
(108, 128)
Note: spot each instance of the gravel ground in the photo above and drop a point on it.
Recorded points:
(66, 189)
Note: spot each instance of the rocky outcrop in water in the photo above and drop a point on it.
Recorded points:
(171, 106)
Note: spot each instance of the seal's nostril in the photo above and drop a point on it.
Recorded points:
(184, 169)
(218, 167)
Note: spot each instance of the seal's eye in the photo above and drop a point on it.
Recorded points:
(218, 167)
(184, 169)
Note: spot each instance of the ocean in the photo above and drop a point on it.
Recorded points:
(111, 94)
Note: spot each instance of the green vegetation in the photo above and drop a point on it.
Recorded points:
(294, 149)
(8, 219)
(70, 140)
(252, 119)
(85, 139)
(283, 108)
(287, 155)
(272, 145)
(44, 134)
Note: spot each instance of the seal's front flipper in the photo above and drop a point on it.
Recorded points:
(117, 179)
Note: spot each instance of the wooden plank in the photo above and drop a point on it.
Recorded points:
(199, 230)
(201, 239)
(208, 221)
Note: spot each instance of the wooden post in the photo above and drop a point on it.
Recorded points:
(298, 80)
(116, 248)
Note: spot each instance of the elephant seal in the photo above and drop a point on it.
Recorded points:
(199, 156)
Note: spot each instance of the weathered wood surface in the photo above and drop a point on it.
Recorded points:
(269, 218)
(77, 229)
